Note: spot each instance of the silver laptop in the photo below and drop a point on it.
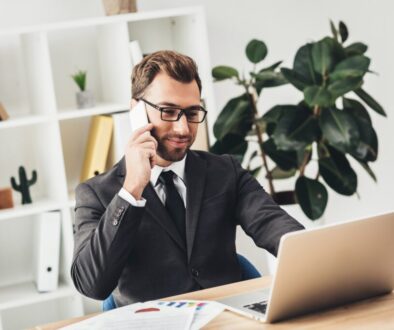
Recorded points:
(325, 267)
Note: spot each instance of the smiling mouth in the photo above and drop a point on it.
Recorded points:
(178, 142)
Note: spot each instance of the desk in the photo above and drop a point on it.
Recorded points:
(374, 313)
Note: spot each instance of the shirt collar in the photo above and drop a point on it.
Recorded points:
(177, 167)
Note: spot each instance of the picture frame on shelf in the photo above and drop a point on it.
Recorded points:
(6, 199)
(3, 113)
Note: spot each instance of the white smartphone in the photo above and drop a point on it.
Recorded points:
(138, 116)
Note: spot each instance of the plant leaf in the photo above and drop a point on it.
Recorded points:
(334, 30)
(296, 129)
(340, 87)
(370, 101)
(272, 67)
(338, 174)
(286, 160)
(271, 117)
(268, 79)
(303, 66)
(236, 117)
(294, 78)
(312, 197)
(256, 51)
(232, 144)
(339, 129)
(368, 170)
(355, 66)
(367, 149)
(255, 172)
(356, 48)
(323, 56)
(223, 72)
(343, 31)
(278, 174)
(316, 95)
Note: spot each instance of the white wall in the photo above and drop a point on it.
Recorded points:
(284, 25)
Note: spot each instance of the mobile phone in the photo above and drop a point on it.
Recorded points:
(138, 116)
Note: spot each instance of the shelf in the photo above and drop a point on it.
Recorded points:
(19, 121)
(26, 293)
(103, 108)
(29, 209)
(139, 16)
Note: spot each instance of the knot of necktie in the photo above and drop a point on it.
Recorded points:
(167, 178)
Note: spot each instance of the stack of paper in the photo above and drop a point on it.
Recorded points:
(180, 314)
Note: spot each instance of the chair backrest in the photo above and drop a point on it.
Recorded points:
(248, 272)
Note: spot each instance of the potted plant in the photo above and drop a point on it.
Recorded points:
(325, 127)
(85, 98)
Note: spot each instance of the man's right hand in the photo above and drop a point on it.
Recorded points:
(140, 156)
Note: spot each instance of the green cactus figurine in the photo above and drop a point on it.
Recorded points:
(24, 185)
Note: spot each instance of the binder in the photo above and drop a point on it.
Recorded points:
(120, 136)
(97, 146)
(47, 251)
(135, 52)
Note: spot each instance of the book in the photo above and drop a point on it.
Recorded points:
(120, 135)
(47, 251)
(3, 113)
(97, 146)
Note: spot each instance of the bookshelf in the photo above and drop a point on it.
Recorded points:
(47, 133)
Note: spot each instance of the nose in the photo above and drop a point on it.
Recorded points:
(181, 126)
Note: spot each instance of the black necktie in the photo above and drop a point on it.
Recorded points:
(174, 203)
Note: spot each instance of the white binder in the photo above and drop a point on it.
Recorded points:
(47, 251)
(120, 135)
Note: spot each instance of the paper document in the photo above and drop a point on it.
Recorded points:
(172, 315)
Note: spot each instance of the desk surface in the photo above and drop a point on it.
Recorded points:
(374, 313)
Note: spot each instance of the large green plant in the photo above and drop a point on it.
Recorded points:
(325, 127)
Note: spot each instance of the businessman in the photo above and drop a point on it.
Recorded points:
(163, 220)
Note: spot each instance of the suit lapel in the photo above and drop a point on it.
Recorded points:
(195, 181)
(155, 208)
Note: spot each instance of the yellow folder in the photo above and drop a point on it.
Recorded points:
(97, 147)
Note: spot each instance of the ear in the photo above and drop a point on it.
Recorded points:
(133, 103)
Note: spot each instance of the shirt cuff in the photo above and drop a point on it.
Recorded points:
(123, 193)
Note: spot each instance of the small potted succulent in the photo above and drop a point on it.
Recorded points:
(85, 98)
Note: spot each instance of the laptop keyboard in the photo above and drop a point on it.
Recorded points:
(260, 307)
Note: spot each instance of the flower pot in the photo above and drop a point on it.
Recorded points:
(85, 99)
(115, 7)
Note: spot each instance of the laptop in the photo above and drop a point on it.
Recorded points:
(325, 267)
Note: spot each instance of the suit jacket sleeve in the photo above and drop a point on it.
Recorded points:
(257, 213)
(103, 241)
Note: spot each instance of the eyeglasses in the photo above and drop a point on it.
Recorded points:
(194, 114)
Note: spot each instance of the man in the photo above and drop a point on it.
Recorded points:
(163, 220)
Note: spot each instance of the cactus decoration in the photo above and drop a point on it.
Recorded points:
(24, 184)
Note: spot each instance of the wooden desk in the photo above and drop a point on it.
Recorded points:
(374, 313)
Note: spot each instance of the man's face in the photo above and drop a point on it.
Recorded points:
(174, 138)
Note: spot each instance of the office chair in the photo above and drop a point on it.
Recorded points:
(248, 272)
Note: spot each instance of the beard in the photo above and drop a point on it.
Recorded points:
(172, 154)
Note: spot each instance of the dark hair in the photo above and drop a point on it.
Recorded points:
(178, 66)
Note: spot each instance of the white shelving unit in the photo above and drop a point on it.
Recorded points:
(47, 133)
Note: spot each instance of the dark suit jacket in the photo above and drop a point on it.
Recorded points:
(138, 253)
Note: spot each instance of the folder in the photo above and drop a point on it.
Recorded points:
(97, 146)
(135, 52)
(47, 251)
(120, 135)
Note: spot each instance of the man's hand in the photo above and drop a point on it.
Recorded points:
(140, 156)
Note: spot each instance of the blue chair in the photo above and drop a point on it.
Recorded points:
(248, 272)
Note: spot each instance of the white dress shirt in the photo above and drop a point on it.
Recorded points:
(179, 181)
